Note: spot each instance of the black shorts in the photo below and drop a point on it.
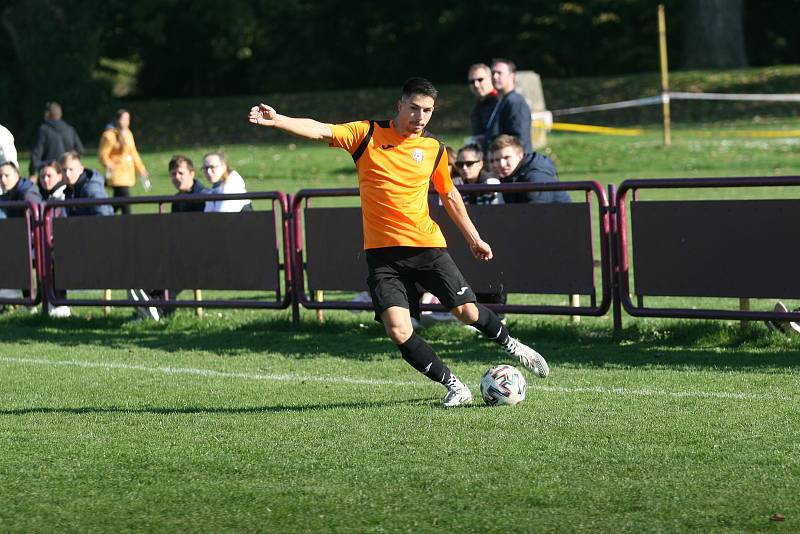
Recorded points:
(396, 272)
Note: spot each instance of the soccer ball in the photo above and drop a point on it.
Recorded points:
(503, 384)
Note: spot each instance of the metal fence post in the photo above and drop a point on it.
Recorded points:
(616, 305)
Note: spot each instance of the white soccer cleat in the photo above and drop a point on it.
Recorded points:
(457, 397)
(458, 394)
(532, 360)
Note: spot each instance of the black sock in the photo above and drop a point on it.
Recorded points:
(422, 358)
(489, 324)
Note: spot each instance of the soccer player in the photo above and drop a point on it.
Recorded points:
(396, 160)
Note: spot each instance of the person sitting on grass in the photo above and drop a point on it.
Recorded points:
(396, 162)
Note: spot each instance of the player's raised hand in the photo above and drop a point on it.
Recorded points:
(263, 115)
(481, 250)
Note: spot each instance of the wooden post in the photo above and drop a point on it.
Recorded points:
(319, 296)
(662, 47)
(106, 296)
(575, 302)
(198, 296)
(744, 305)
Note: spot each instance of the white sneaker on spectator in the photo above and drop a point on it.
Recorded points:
(59, 311)
(144, 312)
(787, 327)
(532, 360)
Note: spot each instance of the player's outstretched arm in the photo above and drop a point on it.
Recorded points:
(264, 115)
(454, 205)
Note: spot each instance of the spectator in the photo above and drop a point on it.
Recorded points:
(83, 183)
(16, 189)
(122, 161)
(54, 138)
(513, 165)
(469, 163)
(181, 171)
(8, 152)
(451, 157)
(470, 168)
(53, 186)
(480, 84)
(224, 180)
(512, 115)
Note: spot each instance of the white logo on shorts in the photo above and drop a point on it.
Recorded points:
(416, 155)
(461, 291)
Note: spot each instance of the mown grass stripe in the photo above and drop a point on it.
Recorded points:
(210, 373)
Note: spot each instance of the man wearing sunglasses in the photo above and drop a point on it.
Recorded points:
(480, 85)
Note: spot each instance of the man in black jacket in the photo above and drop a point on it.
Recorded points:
(54, 138)
(513, 165)
(181, 172)
(512, 115)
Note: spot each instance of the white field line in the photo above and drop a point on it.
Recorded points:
(210, 373)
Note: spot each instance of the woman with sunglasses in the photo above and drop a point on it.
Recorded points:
(470, 168)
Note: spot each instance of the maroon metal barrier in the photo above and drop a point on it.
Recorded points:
(708, 248)
(21, 264)
(342, 266)
(232, 251)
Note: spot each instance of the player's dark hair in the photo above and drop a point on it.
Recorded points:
(418, 86)
(176, 161)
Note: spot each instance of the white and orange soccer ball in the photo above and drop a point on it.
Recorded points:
(503, 385)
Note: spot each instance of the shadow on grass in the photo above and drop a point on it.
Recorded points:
(692, 344)
(189, 410)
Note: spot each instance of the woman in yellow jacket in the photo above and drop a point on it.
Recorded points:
(121, 159)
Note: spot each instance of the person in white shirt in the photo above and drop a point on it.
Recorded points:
(8, 152)
(224, 180)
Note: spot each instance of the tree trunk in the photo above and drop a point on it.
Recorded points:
(713, 34)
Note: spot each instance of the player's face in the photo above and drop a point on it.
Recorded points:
(50, 177)
(502, 77)
(413, 114)
(213, 168)
(72, 170)
(8, 178)
(469, 165)
(480, 82)
(182, 178)
(505, 161)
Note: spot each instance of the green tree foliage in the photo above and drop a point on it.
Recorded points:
(49, 49)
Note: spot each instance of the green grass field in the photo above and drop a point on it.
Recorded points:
(242, 421)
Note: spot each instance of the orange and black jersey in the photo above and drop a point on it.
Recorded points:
(394, 173)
